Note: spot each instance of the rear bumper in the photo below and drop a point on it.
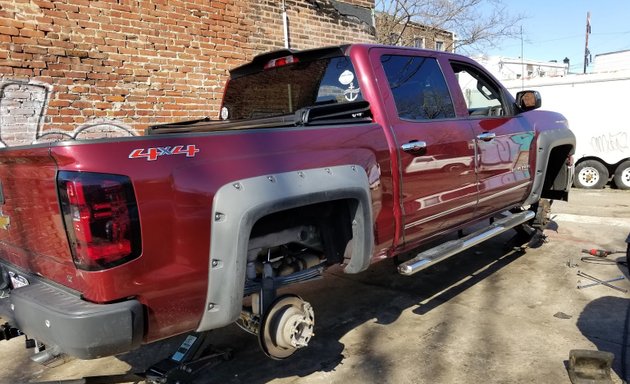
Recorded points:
(60, 318)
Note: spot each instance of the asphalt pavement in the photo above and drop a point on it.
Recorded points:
(488, 315)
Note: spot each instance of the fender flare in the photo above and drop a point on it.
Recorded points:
(547, 141)
(237, 206)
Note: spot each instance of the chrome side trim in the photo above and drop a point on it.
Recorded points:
(504, 192)
(452, 210)
(438, 215)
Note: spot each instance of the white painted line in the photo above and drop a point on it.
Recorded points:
(582, 219)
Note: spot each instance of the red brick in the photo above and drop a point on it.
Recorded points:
(59, 103)
(12, 63)
(69, 112)
(11, 31)
(66, 7)
(31, 33)
(115, 98)
(36, 50)
(23, 72)
(9, 22)
(44, 4)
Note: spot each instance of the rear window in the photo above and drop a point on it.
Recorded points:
(283, 90)
(418, 87)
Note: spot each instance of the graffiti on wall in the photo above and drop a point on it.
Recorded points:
(23, 106)
(610, 142)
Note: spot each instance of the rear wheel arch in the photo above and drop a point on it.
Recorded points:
(239, 206)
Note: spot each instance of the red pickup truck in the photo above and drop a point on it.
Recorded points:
(341, 155)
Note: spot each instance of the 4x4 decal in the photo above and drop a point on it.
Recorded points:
(152, 154)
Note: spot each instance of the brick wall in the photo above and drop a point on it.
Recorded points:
(412, 34)
(311, 24)
(81, 68)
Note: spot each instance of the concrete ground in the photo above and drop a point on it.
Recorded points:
(484, 316)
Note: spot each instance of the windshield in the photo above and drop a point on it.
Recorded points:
(283, 90)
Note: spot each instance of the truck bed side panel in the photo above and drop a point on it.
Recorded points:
(175, 194)
(34, 237)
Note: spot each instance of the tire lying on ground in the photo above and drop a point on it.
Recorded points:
(590, 174)
(622, 175)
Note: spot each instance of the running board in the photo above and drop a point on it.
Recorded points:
(450, 248)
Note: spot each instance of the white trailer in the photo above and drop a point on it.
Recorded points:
(593, 104)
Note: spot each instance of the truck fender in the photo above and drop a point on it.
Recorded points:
(238, 205)
(547, 141)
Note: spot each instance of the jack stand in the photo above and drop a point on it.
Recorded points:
(189, 359)
(192, 356)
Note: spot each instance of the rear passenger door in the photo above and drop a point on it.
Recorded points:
(435, 148)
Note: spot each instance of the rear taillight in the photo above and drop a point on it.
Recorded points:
(101, 218)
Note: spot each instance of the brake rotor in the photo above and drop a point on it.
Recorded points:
(286, 326)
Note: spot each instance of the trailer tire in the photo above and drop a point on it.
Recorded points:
(590, 174)
(622, 175)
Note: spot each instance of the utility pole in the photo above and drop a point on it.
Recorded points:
(285, 24)
(522, 62)
(587, 53)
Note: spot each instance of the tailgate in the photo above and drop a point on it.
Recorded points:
(32, 234)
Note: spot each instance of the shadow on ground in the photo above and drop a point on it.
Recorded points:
(606, 326)
(342, 303)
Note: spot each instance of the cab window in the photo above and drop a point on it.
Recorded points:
(418, 87)
(483, 97)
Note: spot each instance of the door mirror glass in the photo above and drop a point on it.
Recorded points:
(528, 100)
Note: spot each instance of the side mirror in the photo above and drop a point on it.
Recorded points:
(528, 100)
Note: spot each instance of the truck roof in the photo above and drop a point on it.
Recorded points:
(262, 59)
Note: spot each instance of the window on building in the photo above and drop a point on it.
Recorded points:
(418, 42)
(418, 87)
(439, 45)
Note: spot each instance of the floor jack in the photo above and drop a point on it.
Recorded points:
(193, 355)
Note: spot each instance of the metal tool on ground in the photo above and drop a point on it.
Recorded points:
(607, 281)
(193, 355)
(602, 282)
(600, 252)
(590, 367)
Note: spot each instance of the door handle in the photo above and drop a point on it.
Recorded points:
(414, 147)
(486, 136)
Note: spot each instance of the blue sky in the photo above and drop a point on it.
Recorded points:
(555, 29)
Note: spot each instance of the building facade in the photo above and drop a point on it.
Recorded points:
(612, 61)
(505, 68)
(83, 68)
(410, 34)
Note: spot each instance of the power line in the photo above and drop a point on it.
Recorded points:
(529, 42)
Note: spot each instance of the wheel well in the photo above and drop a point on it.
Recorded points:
(332, 221)
(557, 173)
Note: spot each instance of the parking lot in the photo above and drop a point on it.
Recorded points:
(488, 315)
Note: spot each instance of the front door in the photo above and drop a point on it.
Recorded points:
(503, 140)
